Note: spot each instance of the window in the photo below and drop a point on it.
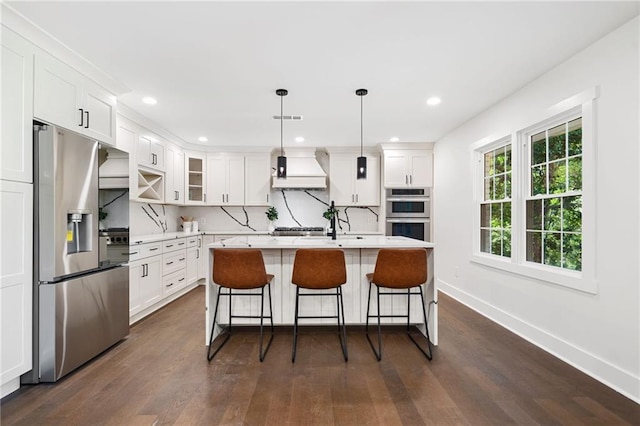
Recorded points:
(495, 208)
(534, 209)
(554, 200)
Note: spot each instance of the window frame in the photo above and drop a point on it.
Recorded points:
(580, 105)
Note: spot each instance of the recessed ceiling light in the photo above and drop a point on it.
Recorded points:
(149, 100)
(394, 139)
(434, 100)
(299, 139)
(203, 139)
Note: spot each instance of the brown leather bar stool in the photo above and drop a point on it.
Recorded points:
(320, 269)
(240, 270)
(399, 269)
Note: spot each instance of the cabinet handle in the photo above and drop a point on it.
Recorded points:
(169, 285)
(131, 253)
(205, 197)
(199, 242)
(406, 179)
(181, 279)
(357, 198)
(81, 117)
(197, 253)
(267, 198)
(411, 179)
(169, 245)
(169, 263)
(153, 249)
(182, 259)
(175, 194)
(87, 125)
(180, 244)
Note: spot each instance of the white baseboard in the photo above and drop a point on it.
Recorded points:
(616, 378)
(9, 387)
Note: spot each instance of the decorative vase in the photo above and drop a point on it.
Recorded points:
(271, 227)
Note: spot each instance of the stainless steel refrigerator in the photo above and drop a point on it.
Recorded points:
(81, 303)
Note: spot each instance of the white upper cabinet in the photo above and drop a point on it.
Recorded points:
(174, 178)
(257, 179)
(225, 180)
(346, 189)
(150, 153)
(408, 168)
(66, 98)
(16, 74)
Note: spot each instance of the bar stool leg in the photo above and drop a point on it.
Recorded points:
(426, 326)
(263, 354)
(295, 327)
(377, 353)
(213, 326)
(343, 339)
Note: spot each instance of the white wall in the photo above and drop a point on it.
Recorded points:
(599, 334)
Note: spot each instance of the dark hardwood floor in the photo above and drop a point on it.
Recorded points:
(481, 375)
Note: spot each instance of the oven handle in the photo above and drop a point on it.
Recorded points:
(409, 199)
(409, 220)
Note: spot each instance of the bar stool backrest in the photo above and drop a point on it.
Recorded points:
(400, 268)
(239, 268)
(319, 268)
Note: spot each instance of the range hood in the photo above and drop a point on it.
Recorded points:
(303, 171)
(113, 169)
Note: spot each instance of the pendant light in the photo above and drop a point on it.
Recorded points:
(282, 160)
(362, 160)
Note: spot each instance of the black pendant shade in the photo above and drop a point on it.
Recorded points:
(282, 160)
(361, 164)
(282, 167)
(362, 168)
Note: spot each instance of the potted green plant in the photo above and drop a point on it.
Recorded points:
(272, 215)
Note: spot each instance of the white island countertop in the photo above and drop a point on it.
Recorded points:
(342, 241)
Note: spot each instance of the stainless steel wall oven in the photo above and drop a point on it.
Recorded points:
(409, 213)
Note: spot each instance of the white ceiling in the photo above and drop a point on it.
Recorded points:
(214, 66)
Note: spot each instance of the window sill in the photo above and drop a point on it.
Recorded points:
(574, 280)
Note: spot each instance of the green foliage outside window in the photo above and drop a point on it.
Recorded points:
(495, 210)
(554, 207)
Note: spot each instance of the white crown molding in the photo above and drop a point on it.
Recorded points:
(406, 145)
(19, 24)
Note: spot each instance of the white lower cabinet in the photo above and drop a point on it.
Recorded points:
(193, 253)
(203, 255)
(145, 284)
(16, 217)
(157, 275)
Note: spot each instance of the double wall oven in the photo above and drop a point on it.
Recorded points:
(409, 213)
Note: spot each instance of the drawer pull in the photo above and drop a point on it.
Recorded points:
(169, 245)
(130, 253)
(153, 249)
(169, 263)
(181, 279)
(180, 244)
(169, 285)
(181, 260)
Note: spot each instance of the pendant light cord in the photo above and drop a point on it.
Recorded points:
(281, 128)
(361, 126)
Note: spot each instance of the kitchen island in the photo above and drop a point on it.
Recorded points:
(360, 256)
